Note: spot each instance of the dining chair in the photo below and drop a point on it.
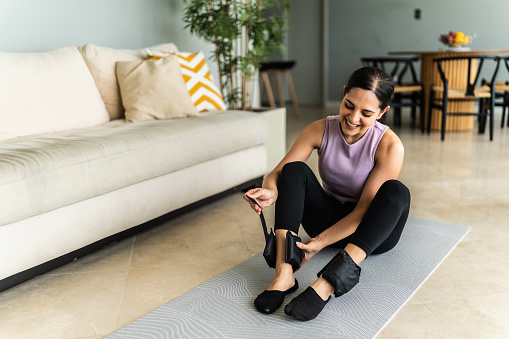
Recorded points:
(501, 93)
(408, 90)
(468, 91)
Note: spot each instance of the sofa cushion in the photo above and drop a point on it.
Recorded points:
(47, 92)
(154, 89)
(45, 172)
(101, 62)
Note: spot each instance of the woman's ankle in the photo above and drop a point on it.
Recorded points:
(283, 280)
(323, 288)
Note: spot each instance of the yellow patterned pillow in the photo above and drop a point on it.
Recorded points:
(199, 82)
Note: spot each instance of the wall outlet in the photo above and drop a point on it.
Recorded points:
(417, 14)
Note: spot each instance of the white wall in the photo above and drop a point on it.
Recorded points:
(40, 25)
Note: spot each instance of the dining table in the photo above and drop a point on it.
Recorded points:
(456, 73)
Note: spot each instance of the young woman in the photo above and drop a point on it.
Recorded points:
(361, 208)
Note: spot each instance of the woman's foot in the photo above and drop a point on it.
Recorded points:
(339, 276)
(270, 300)
(306, 306)
(283, 284)
(311, 302)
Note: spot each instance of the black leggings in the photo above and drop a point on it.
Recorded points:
(302, 200)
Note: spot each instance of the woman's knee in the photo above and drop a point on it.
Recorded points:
(295, 168)
(395, 192)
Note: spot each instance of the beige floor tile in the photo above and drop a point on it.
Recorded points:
(469, 271)
(249, 222)
(477, 317)
(413, 301)
(252, 231)
(116, 256)
(415, 321)
(63, 306)
(200, 235)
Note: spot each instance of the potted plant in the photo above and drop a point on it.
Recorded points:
(244, 33)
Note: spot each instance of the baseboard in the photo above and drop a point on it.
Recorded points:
(26, 275)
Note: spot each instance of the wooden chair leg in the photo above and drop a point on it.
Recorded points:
(281, 89)
(289, 81)
(273, 83)
(270, 93)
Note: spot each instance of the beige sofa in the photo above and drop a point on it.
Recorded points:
(75, 176)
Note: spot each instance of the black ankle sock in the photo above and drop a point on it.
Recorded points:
(306, 306)
(269, 301)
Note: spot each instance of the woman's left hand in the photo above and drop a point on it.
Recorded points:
(309, 249)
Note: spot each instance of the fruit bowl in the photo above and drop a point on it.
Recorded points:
(455, 39)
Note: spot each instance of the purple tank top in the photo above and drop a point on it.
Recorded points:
(345, 168)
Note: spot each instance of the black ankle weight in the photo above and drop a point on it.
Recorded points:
(293, 253)
(342, 272)
(269, 252)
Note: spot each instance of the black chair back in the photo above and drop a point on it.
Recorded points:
(506, 61)
(471, 81)
(396, 67)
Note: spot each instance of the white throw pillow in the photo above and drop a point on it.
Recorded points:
(47, 92)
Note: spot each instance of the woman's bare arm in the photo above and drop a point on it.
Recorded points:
(309, 139)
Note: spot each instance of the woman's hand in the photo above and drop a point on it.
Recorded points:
(264, 197)
(309, 249)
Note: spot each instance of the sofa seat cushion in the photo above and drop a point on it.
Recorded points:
(45, 172)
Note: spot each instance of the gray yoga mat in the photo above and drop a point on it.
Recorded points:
(223, 306)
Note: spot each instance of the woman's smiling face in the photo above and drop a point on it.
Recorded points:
(359, 110)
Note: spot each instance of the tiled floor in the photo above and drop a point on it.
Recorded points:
(464, 180)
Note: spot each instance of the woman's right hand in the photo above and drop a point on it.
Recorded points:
(263, 196)
(309, 249)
